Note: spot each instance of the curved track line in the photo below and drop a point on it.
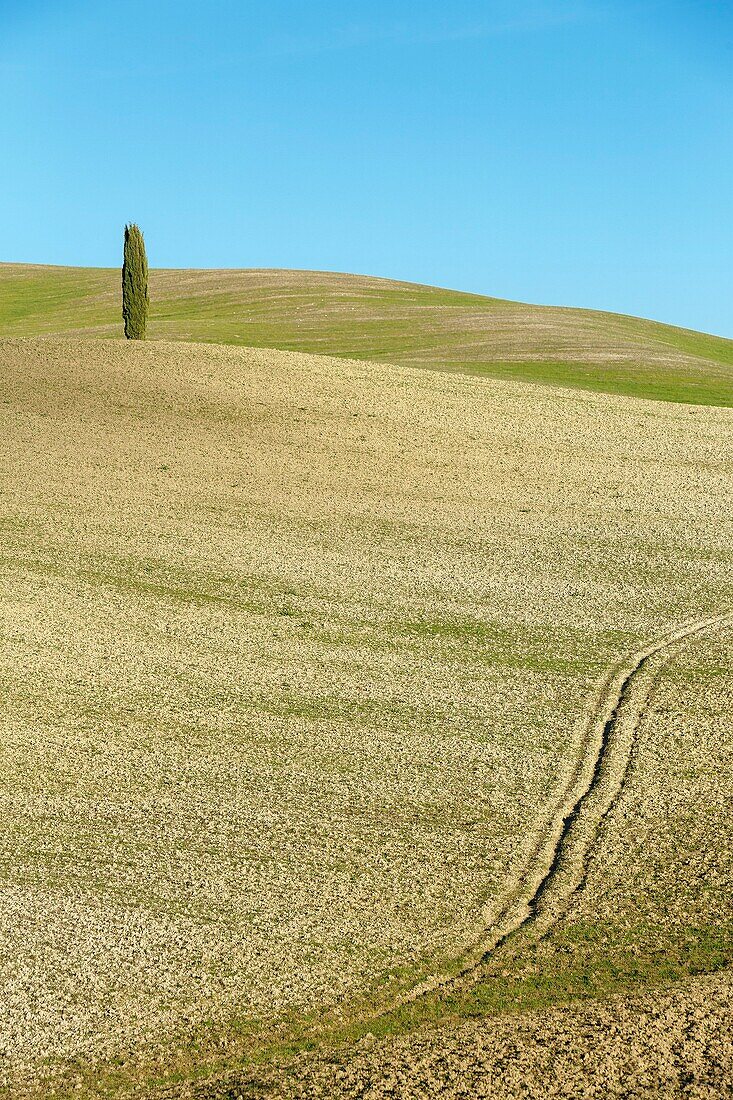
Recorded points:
(557, 866)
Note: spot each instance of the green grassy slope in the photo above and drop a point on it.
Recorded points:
(378, 319)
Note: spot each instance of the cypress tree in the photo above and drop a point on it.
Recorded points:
(135, 300)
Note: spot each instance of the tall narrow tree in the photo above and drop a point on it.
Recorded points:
(135, 300)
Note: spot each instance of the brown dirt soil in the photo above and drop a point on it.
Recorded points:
(665, 1044)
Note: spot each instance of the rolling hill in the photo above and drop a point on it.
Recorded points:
(374, 319)
(363, 671)
(342, 698)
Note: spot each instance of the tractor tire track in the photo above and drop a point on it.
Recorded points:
(558, 864)
(613, 728)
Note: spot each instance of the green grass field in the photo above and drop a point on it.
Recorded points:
(352, 316)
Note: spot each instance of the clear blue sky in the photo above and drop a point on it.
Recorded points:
(577, 152)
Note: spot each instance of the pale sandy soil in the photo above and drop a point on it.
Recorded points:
(294, 654)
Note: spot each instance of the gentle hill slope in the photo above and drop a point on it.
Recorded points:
(355, 316)
(296, 656)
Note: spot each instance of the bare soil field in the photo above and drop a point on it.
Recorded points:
(298, 666)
